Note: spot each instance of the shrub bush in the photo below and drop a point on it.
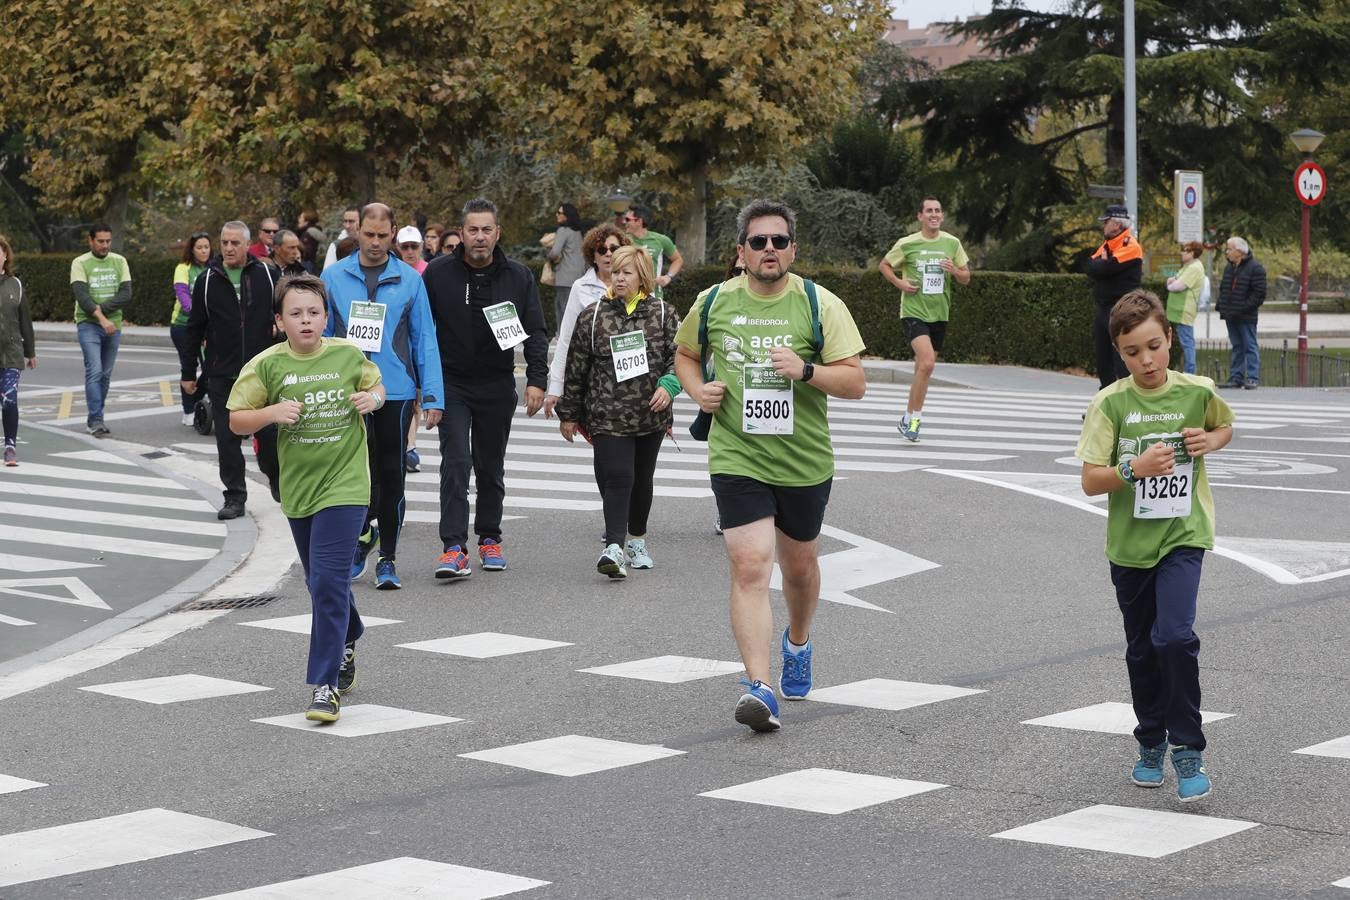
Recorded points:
(1042, 321)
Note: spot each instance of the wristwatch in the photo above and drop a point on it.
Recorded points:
(808, 370)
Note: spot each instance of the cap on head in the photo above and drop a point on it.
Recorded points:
(409, 234)
(1115, 211)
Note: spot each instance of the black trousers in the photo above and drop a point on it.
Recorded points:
(473, 433)
(624, 468)
(387, 442)
(1110, 367)
(231, 456)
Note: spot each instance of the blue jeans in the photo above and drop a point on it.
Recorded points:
(1186, 337)
(1246, 359)
(1162, 652)
(100, 352)
(325, 542)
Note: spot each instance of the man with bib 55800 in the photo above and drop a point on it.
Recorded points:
(778, 345)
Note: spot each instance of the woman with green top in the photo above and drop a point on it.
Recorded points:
(618, 392)
(17, 348)
(1183, 299)
(196, 253)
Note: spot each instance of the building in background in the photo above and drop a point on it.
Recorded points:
(934, 44)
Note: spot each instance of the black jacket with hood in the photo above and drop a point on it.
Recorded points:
(236, 327)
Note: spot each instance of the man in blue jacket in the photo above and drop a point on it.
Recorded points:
(379, 302)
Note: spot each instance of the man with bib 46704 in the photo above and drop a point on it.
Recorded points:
(778, 346)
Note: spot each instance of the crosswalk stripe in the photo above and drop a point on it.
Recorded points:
(89, 476)
(14, 562)
(125, 520)
(18, 623)
(112, 841)
(561, 469)
(98, 456)
(125, 498)
(405, 878)
(111, 416)
(107, 543)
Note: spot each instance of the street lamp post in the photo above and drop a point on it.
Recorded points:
(1307, 141)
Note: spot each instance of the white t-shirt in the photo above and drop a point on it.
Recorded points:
(585, 290)
(331, 256)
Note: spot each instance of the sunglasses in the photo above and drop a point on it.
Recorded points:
(410, 246)
(760, 241)
(606, 250)
(269, 230)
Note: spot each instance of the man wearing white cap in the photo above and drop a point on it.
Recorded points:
(409, 243)
(379, 303)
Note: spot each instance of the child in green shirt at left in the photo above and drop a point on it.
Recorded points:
(317, 391)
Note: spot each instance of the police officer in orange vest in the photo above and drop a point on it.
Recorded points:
(1115, 269)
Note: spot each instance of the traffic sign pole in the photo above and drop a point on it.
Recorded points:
(1310, 184)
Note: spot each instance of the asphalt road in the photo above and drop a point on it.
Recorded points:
(968, 567)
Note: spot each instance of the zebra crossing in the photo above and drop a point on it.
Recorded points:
(844, 792)
(963, 429)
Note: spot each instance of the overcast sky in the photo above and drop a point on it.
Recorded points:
(921, 12)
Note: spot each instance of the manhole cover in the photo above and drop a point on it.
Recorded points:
(229, 603)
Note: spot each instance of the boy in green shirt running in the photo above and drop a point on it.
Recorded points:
(1144, 442)
(930, 259)
(316, 391)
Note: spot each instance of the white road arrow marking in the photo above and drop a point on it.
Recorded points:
(1282, 561)
(80, 593)
(864, 564)
(10, 620)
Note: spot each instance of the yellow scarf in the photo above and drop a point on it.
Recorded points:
(630, 304)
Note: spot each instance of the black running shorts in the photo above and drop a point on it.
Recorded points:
(798, 512)
(936, 331)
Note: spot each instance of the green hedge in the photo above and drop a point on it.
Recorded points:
(1042, 321)
(46, 283)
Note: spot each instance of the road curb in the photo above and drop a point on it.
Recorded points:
(240, 537)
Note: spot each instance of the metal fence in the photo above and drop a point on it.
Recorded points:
(1279, 365)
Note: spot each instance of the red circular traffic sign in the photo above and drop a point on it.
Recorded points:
(1310, 183)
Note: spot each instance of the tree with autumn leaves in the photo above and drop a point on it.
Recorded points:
(342, 92)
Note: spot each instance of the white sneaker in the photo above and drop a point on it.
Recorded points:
(636, 549)
(612, 562)
(188, 419)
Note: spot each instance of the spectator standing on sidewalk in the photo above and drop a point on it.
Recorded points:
(17, 348)
(350, 220)
(1241, 293)
(101, 282)
(1183, 300)
(568, 262)
(232, 313)
(196, 256)
(1116, 268)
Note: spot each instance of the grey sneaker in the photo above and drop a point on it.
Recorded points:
(1148, 769)
(612, 562)
(638, 558)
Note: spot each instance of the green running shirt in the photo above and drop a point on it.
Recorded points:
(913, 256)
(323, 456)
(1124, 419)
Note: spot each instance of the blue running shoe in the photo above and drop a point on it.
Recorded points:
(758, 708)
(1192, 779)
(453, 563)
(1148, 769)
(386, 579)
(412, 460)
(363, 547)
(490, 556)
(909, 427)
(795, 682)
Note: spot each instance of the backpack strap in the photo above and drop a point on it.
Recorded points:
(703, 329)
(817, 334)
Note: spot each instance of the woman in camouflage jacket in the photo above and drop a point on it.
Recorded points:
(618, 392)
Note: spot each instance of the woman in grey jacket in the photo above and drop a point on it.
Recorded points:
(17, 348)
(565, 255)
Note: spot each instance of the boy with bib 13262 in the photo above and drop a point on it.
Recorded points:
(1144, 442)
(316, 390)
